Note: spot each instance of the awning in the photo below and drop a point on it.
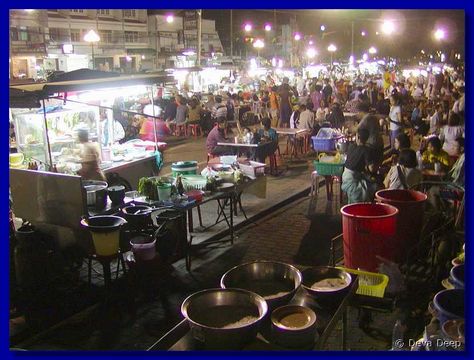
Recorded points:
(46, 89)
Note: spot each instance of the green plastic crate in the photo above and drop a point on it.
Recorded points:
(328, 169)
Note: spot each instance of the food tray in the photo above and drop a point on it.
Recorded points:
(253, 169)
(328, 169)
(370, 284)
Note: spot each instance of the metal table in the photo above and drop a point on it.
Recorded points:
(180, 338)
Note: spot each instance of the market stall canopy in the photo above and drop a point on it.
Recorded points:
(22, 95)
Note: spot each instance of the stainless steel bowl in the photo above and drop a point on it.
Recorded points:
(319, 273)
(224, 319)
(276, 282)
(294, 326)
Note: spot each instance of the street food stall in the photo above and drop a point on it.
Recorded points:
(47, 117)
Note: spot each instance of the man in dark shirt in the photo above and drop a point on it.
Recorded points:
(216, 135)
(327, 92)
(359, 169)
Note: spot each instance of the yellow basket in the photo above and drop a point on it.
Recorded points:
(370, 284)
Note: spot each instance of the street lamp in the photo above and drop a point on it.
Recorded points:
(297, 37)
(332, 48)
(372, 50)
(258, 44)
(363, 33)
(439, 34)
(169, 18)
(388, 27)
(92, 37)
(311, 53)
(248, 27)
(268, 27)
(323, 27)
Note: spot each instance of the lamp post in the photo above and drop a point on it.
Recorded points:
(92, 37)
(258, 44)
(332, 48)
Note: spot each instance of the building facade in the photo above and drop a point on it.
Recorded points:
(53, 40)
(42, 41)
(175, 42)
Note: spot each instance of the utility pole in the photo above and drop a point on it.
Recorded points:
(231, 39)
(199, 13)
(352, 41)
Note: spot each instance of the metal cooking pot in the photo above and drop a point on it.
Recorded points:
(276, 282)
(96, 193)
(138, 216)
(224, 319)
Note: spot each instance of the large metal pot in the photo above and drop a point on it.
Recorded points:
(224, 319)
(96, 193)
(138, 216)
(276, 282)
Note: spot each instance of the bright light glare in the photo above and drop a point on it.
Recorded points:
(351, 59)
(388, 27)
(311, 53)
(363, 33)
(311, 42)
(280, 63)
(332, 48)
(297, 37)
(268, 27)
(365, 57)
(274, 62)
(372, 50)
(323, 27)
(169, 19)
(439, 34)
(248, 27)
(91, 36)
(258, 44)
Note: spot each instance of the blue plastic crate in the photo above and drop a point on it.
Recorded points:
(321, 144)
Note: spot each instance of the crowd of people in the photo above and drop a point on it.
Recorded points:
(423, 115)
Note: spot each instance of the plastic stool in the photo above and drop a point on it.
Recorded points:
(194, 129)
(181, 129)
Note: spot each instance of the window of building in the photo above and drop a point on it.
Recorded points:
(103, 12)
(77, 11)
(105, 36)
(129, 13)
(19, 34)
(131, 36)
(76, 35)
(58, 34)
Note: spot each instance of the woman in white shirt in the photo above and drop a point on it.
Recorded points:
(449, 133)
(404, 175)
(395, 118)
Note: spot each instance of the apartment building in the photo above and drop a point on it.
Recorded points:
(53, 39)
(130, 41)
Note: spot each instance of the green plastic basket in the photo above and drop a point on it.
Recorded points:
(328, 169)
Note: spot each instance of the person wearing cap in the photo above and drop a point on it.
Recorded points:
(90, 157)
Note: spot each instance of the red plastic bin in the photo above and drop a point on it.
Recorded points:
(369, 229)
(411, 206)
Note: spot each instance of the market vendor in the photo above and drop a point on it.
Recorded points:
(217, 135)
(358, 177)
(90, 157)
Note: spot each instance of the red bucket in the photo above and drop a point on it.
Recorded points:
(369, 229)
(411, 206)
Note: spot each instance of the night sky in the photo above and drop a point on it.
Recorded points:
(414, 28)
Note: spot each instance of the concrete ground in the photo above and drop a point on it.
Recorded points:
(290, 234)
